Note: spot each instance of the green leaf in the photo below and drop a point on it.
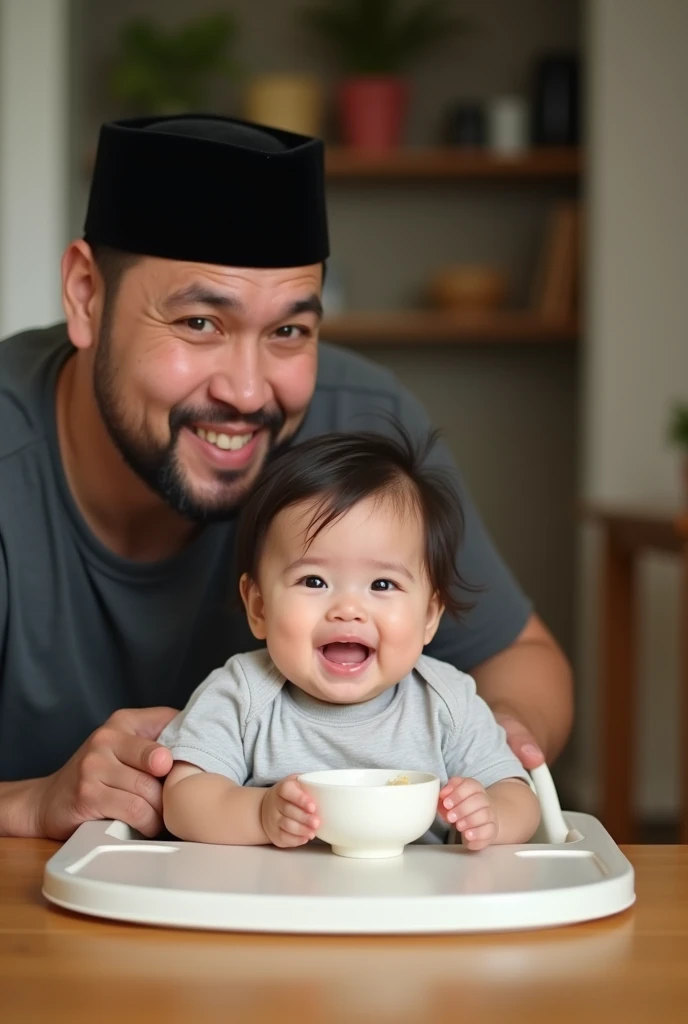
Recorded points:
(678, 424)
(381, 36)
(157, 69)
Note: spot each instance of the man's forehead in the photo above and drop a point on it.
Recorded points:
(173, 284)
(179, 273)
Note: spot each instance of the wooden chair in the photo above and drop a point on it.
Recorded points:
(626, 534)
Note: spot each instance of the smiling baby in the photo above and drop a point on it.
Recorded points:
(346, 552)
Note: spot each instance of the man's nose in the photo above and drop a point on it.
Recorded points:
(240, 381)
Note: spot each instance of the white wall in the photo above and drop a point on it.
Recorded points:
(637, 354)
(33, 160)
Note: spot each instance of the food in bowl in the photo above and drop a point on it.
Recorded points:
(362, 815)
(400, 780)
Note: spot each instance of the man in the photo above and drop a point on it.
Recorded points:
(130, 435)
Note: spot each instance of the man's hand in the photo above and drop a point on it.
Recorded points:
(288, 814)
(114, 774)
(467, 805)
(521, 741)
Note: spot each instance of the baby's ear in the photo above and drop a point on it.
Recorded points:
(253, 603)
(432, 620)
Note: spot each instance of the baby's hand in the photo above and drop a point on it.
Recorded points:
(287, 814)
(467, 804)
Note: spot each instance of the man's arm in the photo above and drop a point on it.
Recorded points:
(18, 808)
(17, 799)
(114, 774)
(529, 687)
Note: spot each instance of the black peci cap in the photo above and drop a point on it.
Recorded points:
(209, 190)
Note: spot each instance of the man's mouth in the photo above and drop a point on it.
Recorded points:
(226, 442)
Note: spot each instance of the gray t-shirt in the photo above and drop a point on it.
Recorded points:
(248, 723)
(84, 632)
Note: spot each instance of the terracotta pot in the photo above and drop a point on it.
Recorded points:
(467, 288)
(372, 111)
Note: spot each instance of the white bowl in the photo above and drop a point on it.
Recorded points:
(362, 815)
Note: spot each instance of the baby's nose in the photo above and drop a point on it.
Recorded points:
(347, 610)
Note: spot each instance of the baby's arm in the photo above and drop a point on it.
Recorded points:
(204, 807)
(506, 812)
(517, 810)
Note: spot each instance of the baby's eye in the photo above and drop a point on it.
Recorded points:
(383, 585)
(314, 582)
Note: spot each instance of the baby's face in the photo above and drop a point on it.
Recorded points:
(347, 617)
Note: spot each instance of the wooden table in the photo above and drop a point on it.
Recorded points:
(58, 967)
(627, 534)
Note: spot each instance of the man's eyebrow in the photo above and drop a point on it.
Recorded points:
(310, 305)
(202, 295)
(199, 294)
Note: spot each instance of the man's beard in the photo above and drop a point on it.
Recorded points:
(158, 464)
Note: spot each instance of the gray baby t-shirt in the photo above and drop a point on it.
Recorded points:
(248, 723)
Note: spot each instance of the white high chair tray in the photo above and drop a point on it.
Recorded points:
(107, 870)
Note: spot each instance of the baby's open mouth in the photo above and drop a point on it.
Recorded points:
(341, 653)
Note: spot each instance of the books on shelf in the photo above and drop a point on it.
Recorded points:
(557, 281)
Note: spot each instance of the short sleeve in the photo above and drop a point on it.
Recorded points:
(478, 748)
(499, 609)
(209, 731)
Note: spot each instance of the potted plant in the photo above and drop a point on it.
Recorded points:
(292, 101)
(159, 71)
(376, 41)
(678, 435)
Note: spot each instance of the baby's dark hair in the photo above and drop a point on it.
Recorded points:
(338, 471)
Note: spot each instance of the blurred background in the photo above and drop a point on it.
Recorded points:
(509, 234)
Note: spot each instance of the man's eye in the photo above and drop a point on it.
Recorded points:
(314, 582)
(291, 332)
(383, 585)
(200, 324)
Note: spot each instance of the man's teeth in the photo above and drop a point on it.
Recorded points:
(227, 442)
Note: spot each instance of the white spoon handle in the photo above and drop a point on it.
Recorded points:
(553, 826)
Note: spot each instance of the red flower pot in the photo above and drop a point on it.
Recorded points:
(372, 111)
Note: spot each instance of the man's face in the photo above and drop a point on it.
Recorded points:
(202, 371)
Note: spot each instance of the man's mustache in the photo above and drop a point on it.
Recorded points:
(185, 416)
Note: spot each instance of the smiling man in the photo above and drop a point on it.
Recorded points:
(131, 434)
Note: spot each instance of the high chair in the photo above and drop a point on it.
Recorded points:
(571, 871)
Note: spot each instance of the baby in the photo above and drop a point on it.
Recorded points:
(346, 554)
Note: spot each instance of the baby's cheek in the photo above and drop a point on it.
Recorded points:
(292, 625)
(399, 653)
(405, 632)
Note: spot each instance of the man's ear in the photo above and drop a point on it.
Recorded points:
(253, 603)
(82, 294)
(432, 619)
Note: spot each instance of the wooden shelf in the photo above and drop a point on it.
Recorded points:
(342, 164)
(438, 328)
(553, 162)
